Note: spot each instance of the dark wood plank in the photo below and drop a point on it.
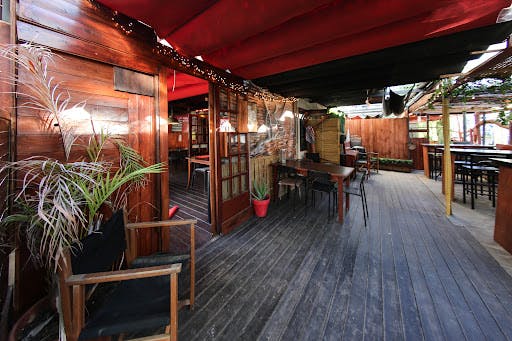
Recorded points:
(249, 322)
(341, 295)
(240, 275)
(411, 274)
(393, 326)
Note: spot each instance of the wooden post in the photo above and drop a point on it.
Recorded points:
(447, 161)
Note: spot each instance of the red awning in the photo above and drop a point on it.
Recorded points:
(259, 38)
(181, 85)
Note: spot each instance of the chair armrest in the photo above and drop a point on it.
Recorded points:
(122, 275)
(162, 223)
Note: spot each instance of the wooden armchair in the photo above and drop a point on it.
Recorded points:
(144, 299)
(367, 161)
(163, 257)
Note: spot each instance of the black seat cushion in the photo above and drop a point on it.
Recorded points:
(100, 249)
(133, 305)
(159, 259)
(323, 187)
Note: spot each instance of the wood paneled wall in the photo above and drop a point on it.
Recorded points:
(261, 169)
(179, 140)
(327, 133)
(388, 137)
(89, 46)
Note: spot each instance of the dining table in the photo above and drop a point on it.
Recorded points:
(340, 174)
(465, 152)
(192, 161)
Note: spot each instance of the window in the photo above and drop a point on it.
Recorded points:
(5, 11)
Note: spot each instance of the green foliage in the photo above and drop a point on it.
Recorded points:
(336, 112)
(398, 162)
(470, 90)
(56, 204)
(42, 92)
(504, 118)
(261, 190)
(482, 86)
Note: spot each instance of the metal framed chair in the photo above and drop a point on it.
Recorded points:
(289, 178)
(205, 171)
(320, 182)
(357, 188)
(478, 175)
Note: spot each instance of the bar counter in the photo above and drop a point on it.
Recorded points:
(430, 147)
(503, 222)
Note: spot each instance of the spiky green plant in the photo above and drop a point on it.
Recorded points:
(57, 204)
(261, 190)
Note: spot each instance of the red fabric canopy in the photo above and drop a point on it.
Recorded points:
(264, 37)
(181, 85)
(254, 39)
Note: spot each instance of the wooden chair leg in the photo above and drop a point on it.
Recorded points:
(192, 266)
(174, 308)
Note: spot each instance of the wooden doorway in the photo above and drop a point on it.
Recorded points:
(231, 159)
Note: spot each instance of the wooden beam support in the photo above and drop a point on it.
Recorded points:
(447, 160)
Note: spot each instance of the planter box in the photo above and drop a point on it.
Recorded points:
(396, 168)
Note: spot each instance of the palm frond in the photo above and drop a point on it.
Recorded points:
(41, 93)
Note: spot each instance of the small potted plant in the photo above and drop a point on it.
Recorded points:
(261, 198)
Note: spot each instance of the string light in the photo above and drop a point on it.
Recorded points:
(192, 66)
(261, 93)
(200, 69)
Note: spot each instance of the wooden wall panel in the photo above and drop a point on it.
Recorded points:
(106, 106)
(327, 134)
(77, 17)
(144, 201)
(77, 27)
(261, 169)
(6, 99)
(89, 45)
(388, 137)
(161, 104)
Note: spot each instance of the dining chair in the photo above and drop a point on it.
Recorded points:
(357, 188)
(289, 178)
(321, 182)
(367, 161)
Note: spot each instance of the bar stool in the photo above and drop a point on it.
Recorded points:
(205, 171)
(438, 164)
(431, 164)
(479, 173)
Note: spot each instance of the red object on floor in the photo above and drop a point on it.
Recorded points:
(173, 210)
(261, 207)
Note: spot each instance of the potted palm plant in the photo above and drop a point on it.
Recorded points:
(56, 203)
(260, 198)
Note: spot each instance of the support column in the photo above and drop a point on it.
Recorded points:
(447, 161)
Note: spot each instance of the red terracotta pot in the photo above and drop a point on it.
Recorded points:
(261, 207)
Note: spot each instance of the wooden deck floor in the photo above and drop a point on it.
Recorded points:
(411, 274)
(193, 203)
